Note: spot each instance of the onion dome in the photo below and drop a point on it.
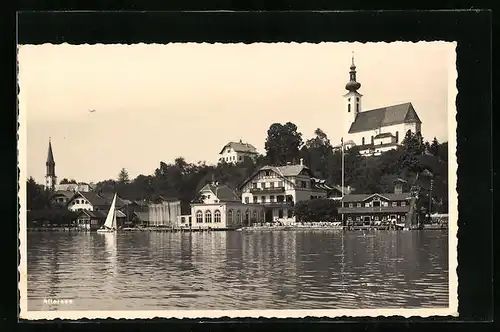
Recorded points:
(352, 85)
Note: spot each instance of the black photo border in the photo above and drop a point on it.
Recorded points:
(471, 29)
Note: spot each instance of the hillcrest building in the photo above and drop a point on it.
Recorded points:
(377, 130)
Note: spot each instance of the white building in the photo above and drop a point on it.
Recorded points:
(220, 207)
(278, 188)
(74, 187)
(235, 152)
(377, 130)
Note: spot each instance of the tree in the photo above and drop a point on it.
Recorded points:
(66, 181)
(37, 197)
(283, 143)
(123, 176)
(413, 143)
(434, 147)
(317, 210)
(318, 153)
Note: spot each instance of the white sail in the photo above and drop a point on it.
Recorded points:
(111, 217)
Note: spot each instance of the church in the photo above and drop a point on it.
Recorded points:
(377, 130)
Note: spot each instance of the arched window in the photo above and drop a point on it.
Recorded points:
(247, 216)
(262, 216)
(230, 217)
(348, 108)
(199, 216)
(208, 216)
(372, 140)
(217, 216)
(357, 107)
(254, 216)
(397, 136)
(238, 216)
(357, 99)
(363, 141)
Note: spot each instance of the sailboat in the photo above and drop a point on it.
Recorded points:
(110, 223)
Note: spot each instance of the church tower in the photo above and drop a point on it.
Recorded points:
(352, 98)
(50, 177)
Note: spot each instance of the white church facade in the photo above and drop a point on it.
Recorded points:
(377, 130)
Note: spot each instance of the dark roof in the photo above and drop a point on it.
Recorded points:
(143, 216)
(92, 197)
(223, 192)
(101, 214)
(109, 198)
(385, 116)
(50, 156)
(240, 147)
(66, 193)
(383, 135)
(282, 171)
(363, 197)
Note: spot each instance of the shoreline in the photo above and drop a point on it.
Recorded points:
(242, 229)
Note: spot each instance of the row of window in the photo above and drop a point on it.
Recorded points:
(263, 199)
(376, 218)
(208, 216)
(232, 158)
(278, 184)
(403, 203)
(80, 201)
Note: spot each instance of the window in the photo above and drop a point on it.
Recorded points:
(312, 197)
(303, 184)
(357, 107)
(280, 184)
(183, 220)
(254, 216)
(240, 158)
(348, 99)
(208, 216)
(376, 218)
(403, 203)
(263, 199)
(268, 173)
(230, 217)
(357, 99)
(238, 216)
(403, 218)
(263, 185)
(350, 205)
(358, 205)
(262, 216)
(397, 136)
(394, 204)
(372, 140)
(199, 217)
(290, 213)
(255, 199)
(254, 185)
(247, 200)
(272, 184)
(217, 216)
(367, 204)
(363, 141)
(271, 198)
(280, 213)
(348, 108)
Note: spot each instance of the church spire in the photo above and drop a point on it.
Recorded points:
(50, 156)
(50, 176)
(352, 85)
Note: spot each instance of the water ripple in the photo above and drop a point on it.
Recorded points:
(233, 270)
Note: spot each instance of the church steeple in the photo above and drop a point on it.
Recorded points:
(50, 176)
(352, 97)
(352, 85)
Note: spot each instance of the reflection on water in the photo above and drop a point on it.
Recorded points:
(237, 270)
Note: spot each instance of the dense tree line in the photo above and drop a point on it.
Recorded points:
(415, 160)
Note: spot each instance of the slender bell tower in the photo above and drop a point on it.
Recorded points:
(352, 97)
(50, 176)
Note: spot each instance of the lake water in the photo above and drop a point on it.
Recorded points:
(329, 269)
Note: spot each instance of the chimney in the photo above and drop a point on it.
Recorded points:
(302, 161)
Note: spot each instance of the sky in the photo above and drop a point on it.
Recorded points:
(157, 102)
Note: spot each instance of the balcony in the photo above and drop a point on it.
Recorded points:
(378, 209)
(267, 190)
(275, 204)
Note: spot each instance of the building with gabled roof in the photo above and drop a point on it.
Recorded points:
(235, 152)
(377, 130)
(278, 188)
